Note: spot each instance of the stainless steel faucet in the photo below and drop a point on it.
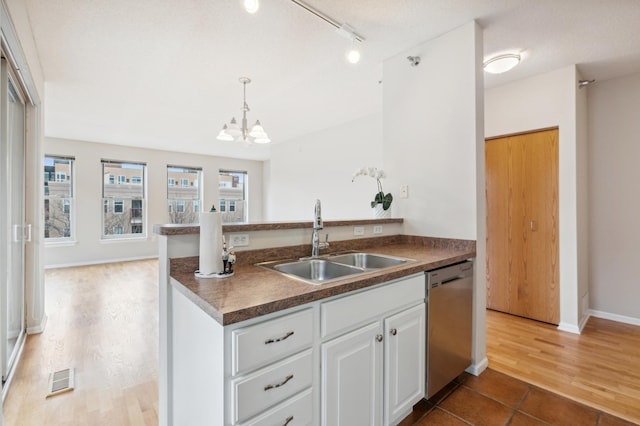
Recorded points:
(316, 245)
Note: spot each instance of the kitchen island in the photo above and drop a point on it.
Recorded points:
(260, 347)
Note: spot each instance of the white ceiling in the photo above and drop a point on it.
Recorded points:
(164, 73)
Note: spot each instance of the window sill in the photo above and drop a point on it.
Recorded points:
(123, 239)
(60, 243)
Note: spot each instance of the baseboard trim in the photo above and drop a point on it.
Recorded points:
(99, 262)
(477, 368)
(570, 328)
(40, 327)
(614, 317)
(584, 320)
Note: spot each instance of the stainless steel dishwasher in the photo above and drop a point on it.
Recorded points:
(449, 323)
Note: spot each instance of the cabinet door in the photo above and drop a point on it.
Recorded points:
(404, 362)
(352, 378)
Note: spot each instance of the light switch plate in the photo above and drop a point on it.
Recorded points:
(358, 230)
(404, 191)
(238, 240)
(377, 229)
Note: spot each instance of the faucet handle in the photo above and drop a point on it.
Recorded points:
(325, 244)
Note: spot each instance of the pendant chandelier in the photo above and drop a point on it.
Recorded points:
(242, 133)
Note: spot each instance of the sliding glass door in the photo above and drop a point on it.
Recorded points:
(14, 232)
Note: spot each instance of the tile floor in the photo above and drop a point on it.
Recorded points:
(497, 399)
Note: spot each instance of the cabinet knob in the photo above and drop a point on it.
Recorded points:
(379, 337)
(394, 331)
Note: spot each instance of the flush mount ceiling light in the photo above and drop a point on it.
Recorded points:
(234, 132)
(501, 63)
(251, 6)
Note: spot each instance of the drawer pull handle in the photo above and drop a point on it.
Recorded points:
(286, 336)
(394, 331)
(288, 420)
(289, 377)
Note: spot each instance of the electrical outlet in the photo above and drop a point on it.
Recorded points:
(377, 229)
(239, 240)
(358, 230)
(404, 191)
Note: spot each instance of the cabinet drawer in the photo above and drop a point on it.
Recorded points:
(297, 411)
(343, 314)
(267, 387)
(258, 345)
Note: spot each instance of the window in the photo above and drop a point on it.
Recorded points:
(136, 209)
(184, 199)
(126, 218)
(58, 198)
(232, 190)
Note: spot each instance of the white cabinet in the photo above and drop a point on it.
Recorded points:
(271, 370)
(390, 346)
(404, 362)
(352, 378)
(345, 361)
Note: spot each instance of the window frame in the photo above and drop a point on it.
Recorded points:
(66, 201)
(233, 201)
(128, 200)
(184, 194)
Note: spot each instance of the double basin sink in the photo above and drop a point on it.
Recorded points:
(324, 269)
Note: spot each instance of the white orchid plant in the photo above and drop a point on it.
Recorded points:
(377, 174)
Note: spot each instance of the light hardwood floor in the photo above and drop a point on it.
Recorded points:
(600, 367)
(103, 321)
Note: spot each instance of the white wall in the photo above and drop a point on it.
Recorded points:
(434, 143)
(430, 135)
(549, 100)
(89, 247)
(319, 166)
(614, 202)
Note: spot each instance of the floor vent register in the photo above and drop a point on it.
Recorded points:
(61, 381)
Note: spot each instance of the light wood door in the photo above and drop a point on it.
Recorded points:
(522, 225)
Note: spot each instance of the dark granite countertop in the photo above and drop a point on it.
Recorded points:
(254, 291)
(182, 229)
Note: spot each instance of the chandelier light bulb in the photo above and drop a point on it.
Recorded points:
(251, 6)
(224, 135)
